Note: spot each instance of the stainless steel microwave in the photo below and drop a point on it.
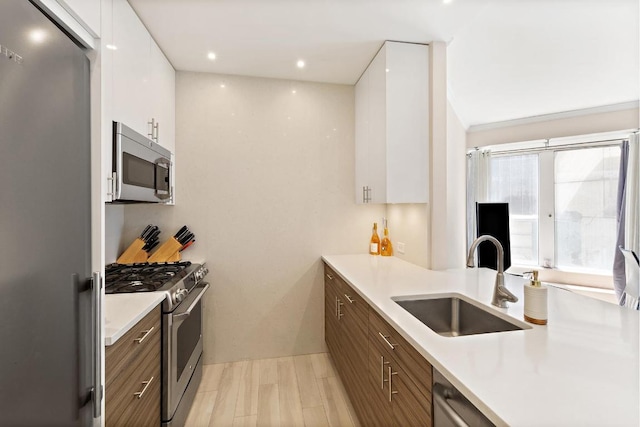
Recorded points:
(142, 169)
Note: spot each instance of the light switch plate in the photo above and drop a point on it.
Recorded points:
(400, 247)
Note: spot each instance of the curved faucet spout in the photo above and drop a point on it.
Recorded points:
(500, 293)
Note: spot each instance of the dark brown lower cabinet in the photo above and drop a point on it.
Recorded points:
(132, 372)
(387, 380)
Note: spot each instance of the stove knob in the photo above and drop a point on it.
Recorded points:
(180, 295)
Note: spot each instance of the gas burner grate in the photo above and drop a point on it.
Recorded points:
(122, 278)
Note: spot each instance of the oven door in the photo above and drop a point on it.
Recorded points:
(181, 349)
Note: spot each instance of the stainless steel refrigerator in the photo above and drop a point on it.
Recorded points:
(48, 305)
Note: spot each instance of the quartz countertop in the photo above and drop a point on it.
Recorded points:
(123, 311)
(582, 369)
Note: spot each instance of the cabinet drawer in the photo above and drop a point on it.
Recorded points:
(122, 405)
(122, 354)
(410, 406)
(353, 302)
(412, 362)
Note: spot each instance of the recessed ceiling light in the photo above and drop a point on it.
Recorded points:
(386, 69)
(222, 85)
(293, 91)
(111, 47)
(37, 36)
(300, 63)
(447, 1)
(211, 55)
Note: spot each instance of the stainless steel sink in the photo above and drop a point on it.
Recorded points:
(455, 315)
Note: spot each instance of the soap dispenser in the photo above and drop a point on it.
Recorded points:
(535, 301)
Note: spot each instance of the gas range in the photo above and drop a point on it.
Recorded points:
(176, 279)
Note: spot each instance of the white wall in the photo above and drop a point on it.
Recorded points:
(409, 224)
(456, 190)
(265, 180)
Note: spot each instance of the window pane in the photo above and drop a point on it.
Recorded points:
(514, 180)
(586, 185)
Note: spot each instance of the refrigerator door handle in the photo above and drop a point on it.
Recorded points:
(96, 323)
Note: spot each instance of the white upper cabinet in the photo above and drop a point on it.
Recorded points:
(163, 97)
(143, 79)
(131, 63)
(392, 126)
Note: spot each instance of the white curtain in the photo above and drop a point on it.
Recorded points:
(478, 175)
(632, 207)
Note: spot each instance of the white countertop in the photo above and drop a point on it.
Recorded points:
(579, 370)
(123, 311)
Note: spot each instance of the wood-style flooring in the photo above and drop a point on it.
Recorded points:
(286, 391)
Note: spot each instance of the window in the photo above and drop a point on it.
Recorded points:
(514, 180)
(586, 188)
(562, 205)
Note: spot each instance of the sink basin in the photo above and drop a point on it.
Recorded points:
(455, 315)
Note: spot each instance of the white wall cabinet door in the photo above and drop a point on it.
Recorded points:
(163, 97)
(392, 126)
(131, 67)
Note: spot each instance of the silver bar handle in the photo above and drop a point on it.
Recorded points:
(187, 312)
(330, 277)
(382, 380)
(146, 334)
(153, 125)
(157, 127)
(440, 396)
(391, 374)
(96, 323)
(385, 338)
(141, 393)
(340, 313)
(351, 300)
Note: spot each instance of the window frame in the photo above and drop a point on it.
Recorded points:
(549, 271)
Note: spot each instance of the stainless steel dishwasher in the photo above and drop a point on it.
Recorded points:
(451, 408)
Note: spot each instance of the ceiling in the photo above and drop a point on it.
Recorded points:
(506, 59)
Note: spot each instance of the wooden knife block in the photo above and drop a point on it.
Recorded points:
(168, 252)
(134, 253)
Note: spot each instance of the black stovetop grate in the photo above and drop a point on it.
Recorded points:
(145, 277)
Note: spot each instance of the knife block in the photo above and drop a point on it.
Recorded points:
(169, 251)
(133, 253)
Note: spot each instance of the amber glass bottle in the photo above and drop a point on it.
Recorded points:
(386, 249)
(374, 244)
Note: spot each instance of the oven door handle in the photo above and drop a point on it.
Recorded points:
(182, 316)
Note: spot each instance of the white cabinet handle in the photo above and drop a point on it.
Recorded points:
(386, 339)
(382, 364)
(139, 394)
(146, 334)
(351, 300)
(391, 392)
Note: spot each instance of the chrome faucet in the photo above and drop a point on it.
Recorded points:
(500, 293)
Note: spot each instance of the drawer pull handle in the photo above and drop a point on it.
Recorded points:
(391, 392)
(351, 300)
(382, 380)
(146, 334)
(340, 304)
(330, 277)
(139, 394)
(386, 339)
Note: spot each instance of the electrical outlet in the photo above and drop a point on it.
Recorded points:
(400, 248)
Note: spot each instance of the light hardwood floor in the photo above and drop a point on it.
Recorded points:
(286, 391)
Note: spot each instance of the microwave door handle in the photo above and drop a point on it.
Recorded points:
(166, 164)
(183, 316)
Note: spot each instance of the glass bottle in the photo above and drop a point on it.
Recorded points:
(386, 249)
(374, 244)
